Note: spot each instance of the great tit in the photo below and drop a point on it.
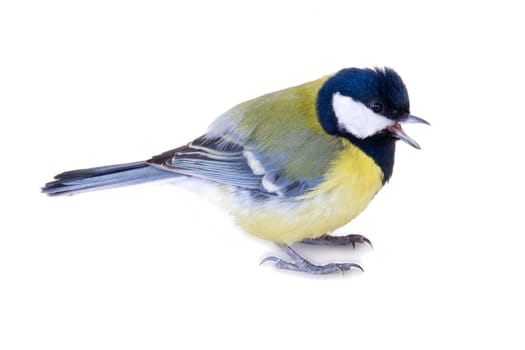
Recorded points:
(292, 165)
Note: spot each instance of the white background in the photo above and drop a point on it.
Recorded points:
(157, 267)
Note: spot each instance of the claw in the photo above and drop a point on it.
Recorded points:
(357, 266)
(367, 241)
(270, 258)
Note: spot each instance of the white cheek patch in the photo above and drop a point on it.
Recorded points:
(356, 118)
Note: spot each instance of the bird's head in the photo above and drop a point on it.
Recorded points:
(366, 104)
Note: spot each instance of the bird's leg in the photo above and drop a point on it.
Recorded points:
(338, 240)
(299, 263)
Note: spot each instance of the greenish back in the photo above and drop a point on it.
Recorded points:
(303, 150)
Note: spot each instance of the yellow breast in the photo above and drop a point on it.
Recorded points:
(351, 183)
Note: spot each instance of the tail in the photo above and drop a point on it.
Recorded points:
(83, 180)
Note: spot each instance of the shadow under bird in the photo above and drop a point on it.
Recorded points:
(292, 165)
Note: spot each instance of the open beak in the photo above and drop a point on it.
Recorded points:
(399, 133)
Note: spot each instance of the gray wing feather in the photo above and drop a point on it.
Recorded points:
(211, 159)
(230, 163)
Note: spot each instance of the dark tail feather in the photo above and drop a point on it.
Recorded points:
(102, 177)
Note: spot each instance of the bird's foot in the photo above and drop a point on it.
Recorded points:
(300, 264)
(338, 240)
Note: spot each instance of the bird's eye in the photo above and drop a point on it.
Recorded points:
(376, 106)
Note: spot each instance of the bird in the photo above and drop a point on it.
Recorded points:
(291, 166)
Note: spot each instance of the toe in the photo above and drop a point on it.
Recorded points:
(270, 258)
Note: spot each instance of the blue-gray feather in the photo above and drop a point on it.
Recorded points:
(210, 159)
(225, 162)
(83, 180)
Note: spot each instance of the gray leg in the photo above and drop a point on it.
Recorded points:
(338, 240)
(300, 264)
